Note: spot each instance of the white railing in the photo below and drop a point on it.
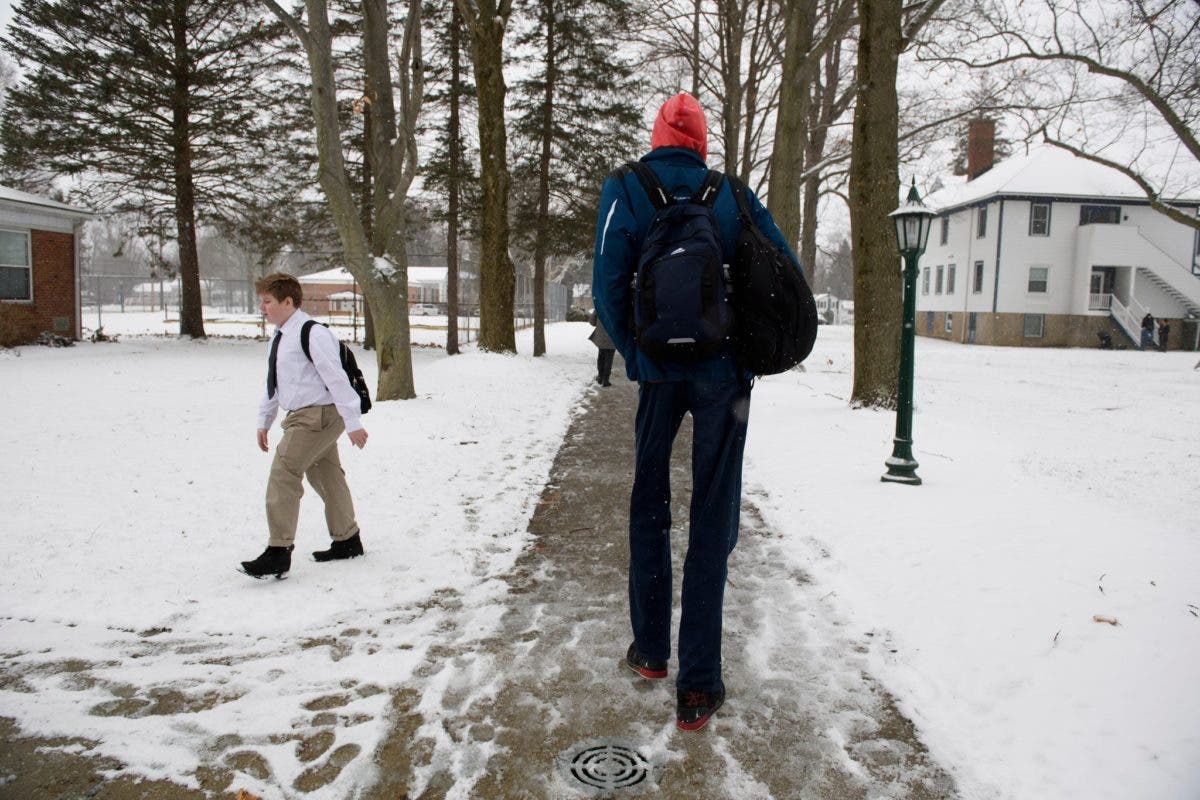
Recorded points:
(1099, 302)
(1129, 323)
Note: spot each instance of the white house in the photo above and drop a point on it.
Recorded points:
(1050, 250)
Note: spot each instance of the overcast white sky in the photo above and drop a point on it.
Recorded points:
(5, 13)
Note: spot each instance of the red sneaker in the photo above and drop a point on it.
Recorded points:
(694, 709)
(652, 670)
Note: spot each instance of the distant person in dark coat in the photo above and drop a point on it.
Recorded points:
(604, 358)
(1164, 333)
(1147, 331)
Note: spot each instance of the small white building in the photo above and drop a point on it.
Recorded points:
(1048, 249)
(832, 310)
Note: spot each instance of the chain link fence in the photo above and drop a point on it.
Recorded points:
(233, 299)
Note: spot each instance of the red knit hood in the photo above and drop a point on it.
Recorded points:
(680, 123)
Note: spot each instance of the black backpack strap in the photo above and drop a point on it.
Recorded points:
(706, 195)
(739, 194)
(653, 186)
(304, 334)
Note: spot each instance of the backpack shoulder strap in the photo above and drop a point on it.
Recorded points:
(739, 193)
(651, 184)
(305, 332)
(706, 195)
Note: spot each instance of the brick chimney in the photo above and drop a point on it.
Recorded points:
(981, 147)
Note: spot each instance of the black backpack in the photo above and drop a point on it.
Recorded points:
(774, 309)
(349, 364)
(681, 309)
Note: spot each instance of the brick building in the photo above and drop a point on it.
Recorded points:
(39, 266)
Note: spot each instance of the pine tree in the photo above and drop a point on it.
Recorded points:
(157, 108)
(574, 116)
(486, 22)
(448, 171)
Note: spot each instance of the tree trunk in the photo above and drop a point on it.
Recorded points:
(696, 48)
(496, 276)
(787, 154)
(387, 228)
(733, 32)
(543, 213)
(452, 209)
(392, 335)
(191, 308)
(365, 215)
(874, 193)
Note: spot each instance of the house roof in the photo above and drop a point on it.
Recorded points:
(340, 275)
(25, 198)
(1046, 171)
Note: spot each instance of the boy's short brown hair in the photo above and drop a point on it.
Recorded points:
(280, 285)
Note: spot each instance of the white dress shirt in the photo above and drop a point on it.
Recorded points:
(301, 383)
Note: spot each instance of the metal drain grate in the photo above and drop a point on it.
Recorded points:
(602, 767)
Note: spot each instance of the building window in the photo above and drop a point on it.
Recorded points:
(1099, 215)
(16, 276)
(1038, 277)
(937, 283)
(945, 229)
(977, 285)
(929, 322)
(950, 270)
(925, 281)
(1034, 325)
(949, 323)
(1039, 219)
(981, 223)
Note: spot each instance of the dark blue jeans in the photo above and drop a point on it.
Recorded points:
(720, 411)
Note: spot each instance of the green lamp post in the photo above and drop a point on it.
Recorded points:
(913, 222)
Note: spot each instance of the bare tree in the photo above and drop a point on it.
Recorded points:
(1112, 81)
(375, 256)
(886, 29)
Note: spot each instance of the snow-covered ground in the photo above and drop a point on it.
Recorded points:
(133, 487)
(1059, 484)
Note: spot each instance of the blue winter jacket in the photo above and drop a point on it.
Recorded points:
(624, 217)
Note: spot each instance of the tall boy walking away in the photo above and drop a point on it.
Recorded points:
(319, 404)
(714, 390)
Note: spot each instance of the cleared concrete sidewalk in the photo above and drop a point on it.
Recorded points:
(802, 719)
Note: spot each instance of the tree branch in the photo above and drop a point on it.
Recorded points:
(1156, 201)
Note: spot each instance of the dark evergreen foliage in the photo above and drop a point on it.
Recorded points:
(595, 120)
(169, 111)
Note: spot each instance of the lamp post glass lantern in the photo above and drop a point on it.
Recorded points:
(913, 222)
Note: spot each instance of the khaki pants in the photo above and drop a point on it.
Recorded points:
(309, 448)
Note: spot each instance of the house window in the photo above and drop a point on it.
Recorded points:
(981, 223)
(950, 270)
(1034, 325)
(937, 283)
(945, 229)
(925, 282)
(929, 322)
(16, 276)
(1038, 277)
(977, 285)
(1099, 215)
(1039, 219)
(949, 323)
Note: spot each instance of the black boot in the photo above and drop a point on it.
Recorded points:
(346, 548)
(273, 561)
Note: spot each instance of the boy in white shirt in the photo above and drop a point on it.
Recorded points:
(320, 404)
